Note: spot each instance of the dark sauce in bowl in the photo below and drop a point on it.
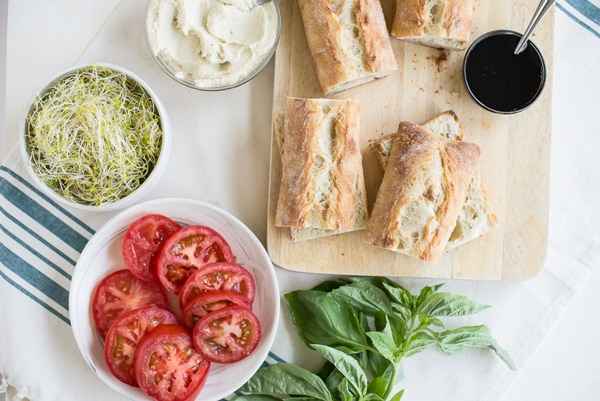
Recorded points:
(499, 80)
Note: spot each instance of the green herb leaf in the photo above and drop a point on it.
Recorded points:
(346, 365)
(419, 342)
(379, 386)
(365, 297)
(287, 379)
(427, 292)
(322, 319)
(452, 341)
(442, 304)
(384, 343)
(397, 396)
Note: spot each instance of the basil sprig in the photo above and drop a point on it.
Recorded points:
(364, 328)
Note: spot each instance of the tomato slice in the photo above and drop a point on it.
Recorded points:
(166, 365)
(211, 301)
(224, 276)
(142, 241)
(227, 335)
(121, 292)
(124, 335)
(186, 251)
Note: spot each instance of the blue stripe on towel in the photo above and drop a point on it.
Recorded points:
(586, 9)
(35, 278)
(31, 278)
(31, 250)
(36, 299)
(46, 218)
(42, 216)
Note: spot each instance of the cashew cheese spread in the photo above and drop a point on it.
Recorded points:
(211, 43)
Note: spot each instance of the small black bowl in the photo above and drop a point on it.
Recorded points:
(497, 79)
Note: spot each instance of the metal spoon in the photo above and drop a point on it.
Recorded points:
(541, 11)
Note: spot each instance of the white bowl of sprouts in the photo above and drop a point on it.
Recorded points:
(96, 137)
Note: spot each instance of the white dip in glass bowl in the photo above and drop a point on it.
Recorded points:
(212, 44)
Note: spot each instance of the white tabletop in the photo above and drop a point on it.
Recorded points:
(45, 37)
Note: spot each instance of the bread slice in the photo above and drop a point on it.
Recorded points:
(443, 24)
(349, 42)
(322, 189)
(422, 192)
(476, 217)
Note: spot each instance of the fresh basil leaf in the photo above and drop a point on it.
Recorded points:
(379, 366)
(322, 319)
(379, 386)
(365, 297)
(443, 304)
(330, 285)
(287, 379)
(347, 366)
(452, 341)
(344, 391)
(426, 321)
(402, 311)
(372, 397)
(384, 343)
(397, 396)
(404, 301)
(332, 381)
(419, 342)
(427, 292)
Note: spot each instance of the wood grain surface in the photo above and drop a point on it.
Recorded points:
(514, 164)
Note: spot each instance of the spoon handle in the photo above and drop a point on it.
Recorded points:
(541, 11)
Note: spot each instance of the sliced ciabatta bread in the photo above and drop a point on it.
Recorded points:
(443, 24)
(477, 216)
(322, 190)
(423, 189)
(349, 42)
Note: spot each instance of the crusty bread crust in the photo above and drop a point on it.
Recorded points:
(322, 177)
(349, 42)
(477, 216)
(422, 192)
(444, 24)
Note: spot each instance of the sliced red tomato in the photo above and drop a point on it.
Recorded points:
(186, 251)
(142, 241)
(211, 301)
(124, 335)
(224, 276)
(121, 292)
(227, 335)
(166, 365)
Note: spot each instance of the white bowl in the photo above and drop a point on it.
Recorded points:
(180, 53)
(150, 180)
(102, 255)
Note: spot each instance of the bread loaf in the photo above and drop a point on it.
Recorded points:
(476, 217)
(443, 24)
(349, 42)
(422, 192)
(322, 189)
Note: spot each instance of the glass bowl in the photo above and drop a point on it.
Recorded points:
(212, 45)
(75, 158)
(497, 79)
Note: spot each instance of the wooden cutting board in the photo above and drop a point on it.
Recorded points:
(514, 165)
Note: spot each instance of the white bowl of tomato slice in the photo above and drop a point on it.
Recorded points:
(174, 277)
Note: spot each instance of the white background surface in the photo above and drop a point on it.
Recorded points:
(565, 367)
